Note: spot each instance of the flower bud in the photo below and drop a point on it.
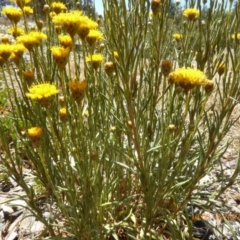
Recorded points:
(40, 25)
(5, 39)
(28, 77)
(78, 5)
(155, 6)
(129, 124)
(94, 155)
(171, 128)
(109, 67)
(46, 8)
(209, 86)
(166, 67)
(61, 101)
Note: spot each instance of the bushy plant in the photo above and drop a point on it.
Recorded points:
(120, 131)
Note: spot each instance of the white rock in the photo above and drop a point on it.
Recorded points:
(204, 180)
(12, 236)
(6, 209)
(37, 227)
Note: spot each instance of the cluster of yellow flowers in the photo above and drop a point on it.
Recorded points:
(188, 78)
(74, 23)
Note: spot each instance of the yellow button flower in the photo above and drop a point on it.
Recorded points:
(115, 54)
(191, 13)
(69, 21)
(86, 24)
(21, 3)
(188, 78)
(66, 41)
(42, 93)
(31, 39)
(58, 7)
(177, 36)
(60, 55)
(63, 114)
(95, 59)
(35, 135)
(18, 49)
(93, 36)
(17, 52)
(27, 11)
(5, 51)
(13, 14)
(236, 36)
(16, 31)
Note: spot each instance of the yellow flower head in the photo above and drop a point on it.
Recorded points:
(42, 93)
(69, 21)
(177, 36)
(21, 3)
(35, 132)
(92, 24)
(60, 55)
(93, 36)
(58, 7)
(35, 135)
(63, 114)
(187, 78)
(5, 51)
(191, 13)
(83, 30)
(18, 49)
(236, 36)
(115, 54)
(66, 41)
(15, 59)
(31, 39)
(13, 14)
(95, 59)
(16, 31)
(27, 11)
(78, 88)
(85, 25)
